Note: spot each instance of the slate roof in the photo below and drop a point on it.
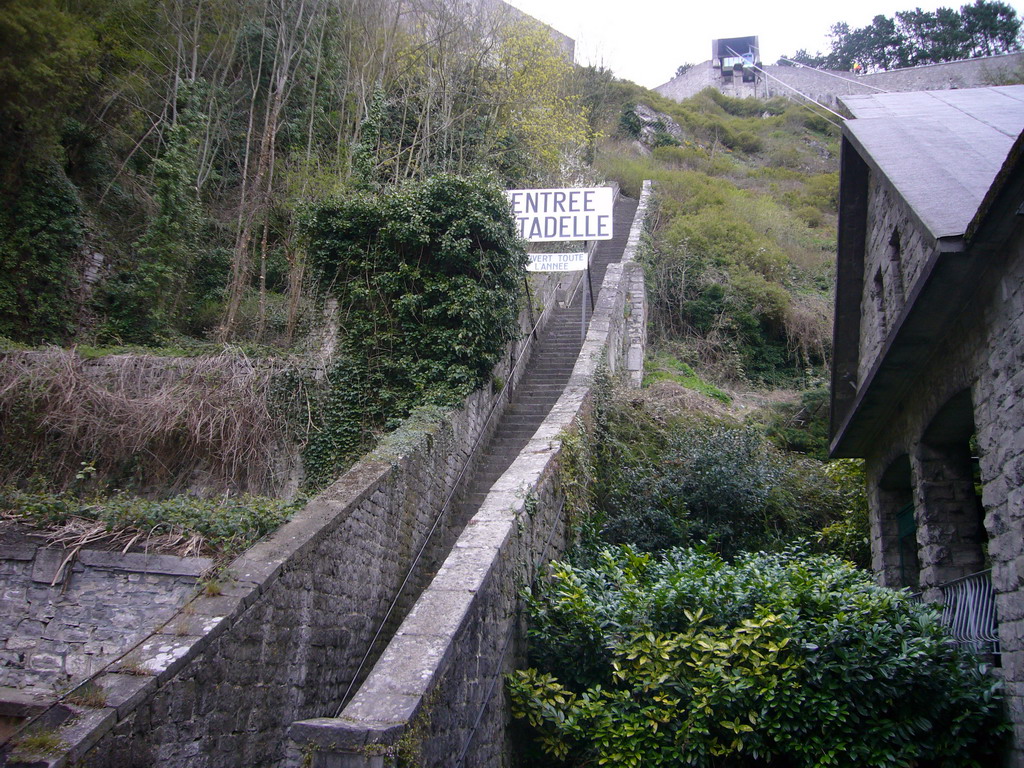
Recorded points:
(940, 149)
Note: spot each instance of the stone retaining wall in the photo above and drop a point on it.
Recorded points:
(435, 697)
(220, 682)
(61, 622)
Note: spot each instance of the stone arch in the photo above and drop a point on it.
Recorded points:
(950, 517)
(894, 540)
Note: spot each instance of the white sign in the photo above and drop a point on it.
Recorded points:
(554, 215)
(557, 262)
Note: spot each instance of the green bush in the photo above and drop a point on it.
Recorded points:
(428, 278)
(40, 237)
(776, 660)
(663, 482)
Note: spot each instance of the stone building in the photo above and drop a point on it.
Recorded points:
(928, 372)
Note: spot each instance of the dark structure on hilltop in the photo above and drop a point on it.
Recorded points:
(928, 376)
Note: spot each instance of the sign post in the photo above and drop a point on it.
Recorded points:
(560, 215)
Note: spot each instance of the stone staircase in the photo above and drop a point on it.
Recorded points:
(547, 372)
(544, 379)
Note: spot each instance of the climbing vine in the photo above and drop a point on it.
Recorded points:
(427, 276)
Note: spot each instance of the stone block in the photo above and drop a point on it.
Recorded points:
(47, 565)
(18, 552)
(169, 565)
(125, 692)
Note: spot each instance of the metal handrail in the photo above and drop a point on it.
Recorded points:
(969, 611)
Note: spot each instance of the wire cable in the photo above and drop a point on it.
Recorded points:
(804, 95)
(798, 92)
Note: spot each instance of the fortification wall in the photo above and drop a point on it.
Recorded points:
(435, 697)
(828, 86)
(219, 682)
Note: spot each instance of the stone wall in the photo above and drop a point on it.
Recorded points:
(282, 636)
(983, 355)
(972, 73)
(61, 623)
(435, 698)
(896, 254)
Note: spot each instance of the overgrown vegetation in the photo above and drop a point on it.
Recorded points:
(142, 424)
(185, 524)
(665, 477)
(156, 158)
(775, 659)
(741, 257)
(428, 278)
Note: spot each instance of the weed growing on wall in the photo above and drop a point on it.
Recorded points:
(222, 525)
(428, 277)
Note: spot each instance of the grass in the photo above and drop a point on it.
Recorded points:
(743, 244)
(41, 742)
(664, 367)
(88, 695)
(186, 524)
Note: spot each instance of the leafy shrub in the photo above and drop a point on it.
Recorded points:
(801, 427)
(40, 235)
(629, 122)
(748, 107)
(663, 482)
(428, 278)
(781, 660)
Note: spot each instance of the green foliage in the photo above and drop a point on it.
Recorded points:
(665, 367)
(912, 38)
(227, 525)
(194, 134)
(740, 264)
(40, 741)
(802, 427)
(428, 277)
(783, 659)
(44, 56)
(669, 480)
(849, 537)
(40, 239)
(146, 302)
(629, 122)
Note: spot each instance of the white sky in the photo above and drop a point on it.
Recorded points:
(645, 40)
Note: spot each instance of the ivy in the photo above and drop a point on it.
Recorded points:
(427, 277)
(40, 236)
